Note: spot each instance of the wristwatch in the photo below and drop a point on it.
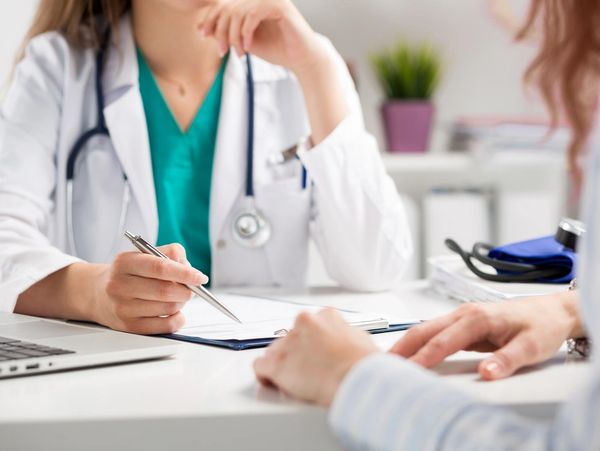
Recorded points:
(579, 346)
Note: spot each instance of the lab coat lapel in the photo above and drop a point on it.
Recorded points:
(126, 122)
(230, 150)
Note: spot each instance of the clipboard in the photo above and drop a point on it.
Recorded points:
(263, 321)
(240, 345)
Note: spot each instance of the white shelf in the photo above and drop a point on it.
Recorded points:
(426, 162)
(452, 162)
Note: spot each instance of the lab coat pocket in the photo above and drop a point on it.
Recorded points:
(287, 207)
(98, 196)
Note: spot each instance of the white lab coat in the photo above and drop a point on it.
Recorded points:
(351, 207)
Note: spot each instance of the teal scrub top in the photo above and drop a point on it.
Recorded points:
(182, 163)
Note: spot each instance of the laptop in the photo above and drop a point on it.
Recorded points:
(30, 345)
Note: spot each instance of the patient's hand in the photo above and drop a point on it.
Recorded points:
(312, 360)
(520, 332)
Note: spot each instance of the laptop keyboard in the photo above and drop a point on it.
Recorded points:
(11, 349)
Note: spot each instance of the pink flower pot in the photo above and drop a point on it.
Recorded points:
(407, 125)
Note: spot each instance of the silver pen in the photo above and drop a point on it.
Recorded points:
(147, 248)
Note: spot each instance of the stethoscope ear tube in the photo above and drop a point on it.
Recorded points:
(99, 130)
(69, 213)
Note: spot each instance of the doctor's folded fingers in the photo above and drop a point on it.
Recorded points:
(174, 251)
(222, 30)
(155, 325)
(233, 33)
(271, 29)
(142, 308)
(149, 266)
(134, 287)
(312, 360)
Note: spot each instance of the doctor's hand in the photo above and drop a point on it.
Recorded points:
(313, 359)
(143, 294)
(520, 333)
(273, 30)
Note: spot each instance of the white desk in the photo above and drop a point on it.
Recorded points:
(206, 398)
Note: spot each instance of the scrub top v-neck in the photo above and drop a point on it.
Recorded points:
(182, 163)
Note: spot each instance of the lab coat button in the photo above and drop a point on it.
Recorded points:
(221, 244)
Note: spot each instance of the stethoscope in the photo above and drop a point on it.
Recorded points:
(99, 130)
(250, 228)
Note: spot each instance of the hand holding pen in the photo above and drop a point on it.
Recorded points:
(143, 246)
(144, 294)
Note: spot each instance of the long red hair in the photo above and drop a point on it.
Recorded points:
(567, 66)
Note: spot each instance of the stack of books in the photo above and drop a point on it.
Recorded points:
(451, 278)
(497, 133)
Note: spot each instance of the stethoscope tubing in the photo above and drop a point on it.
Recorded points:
(101, 130)
(250, 138)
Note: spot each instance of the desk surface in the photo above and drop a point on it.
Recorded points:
(209, 396)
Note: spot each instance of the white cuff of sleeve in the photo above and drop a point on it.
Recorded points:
(333, 150)
(17, 278)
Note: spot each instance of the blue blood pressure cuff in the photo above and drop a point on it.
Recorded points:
(541, 260)
(543, 253)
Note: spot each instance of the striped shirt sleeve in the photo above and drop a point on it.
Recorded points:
(386, 403)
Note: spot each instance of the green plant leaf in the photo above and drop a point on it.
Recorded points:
(408, 72)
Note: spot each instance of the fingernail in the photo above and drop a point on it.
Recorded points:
(201, 278)
(492, 368)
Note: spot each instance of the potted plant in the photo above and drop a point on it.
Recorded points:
(409, 75)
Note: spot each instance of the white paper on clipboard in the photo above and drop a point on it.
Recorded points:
(261, 318)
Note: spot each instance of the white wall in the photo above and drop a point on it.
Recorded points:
(483, 64)
(15, 16)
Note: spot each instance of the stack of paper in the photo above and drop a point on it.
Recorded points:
(261, 318)
(451, 278)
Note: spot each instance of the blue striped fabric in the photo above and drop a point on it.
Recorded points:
(386, 403)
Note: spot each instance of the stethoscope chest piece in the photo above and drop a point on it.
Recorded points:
(251, 229)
